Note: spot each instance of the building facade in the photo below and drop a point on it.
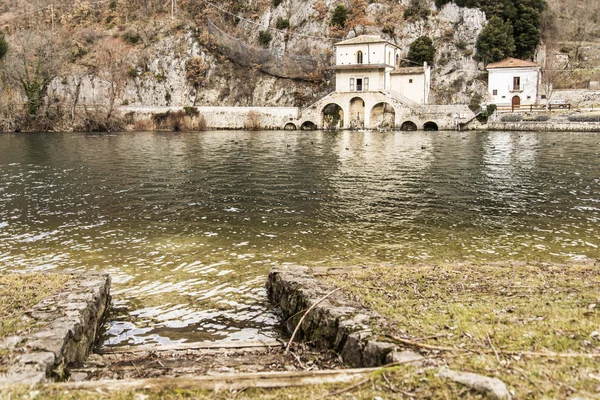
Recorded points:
(513, 82)
(370, 64)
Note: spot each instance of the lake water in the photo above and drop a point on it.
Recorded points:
(189, 224)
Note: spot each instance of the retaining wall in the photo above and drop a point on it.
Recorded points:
(545, 126)
(69, 323)
(336, 323)
(226, 117)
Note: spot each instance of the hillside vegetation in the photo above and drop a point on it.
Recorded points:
(72, 64)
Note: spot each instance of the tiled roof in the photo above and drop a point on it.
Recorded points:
(364, 39)
(408, 71)
(512, 63)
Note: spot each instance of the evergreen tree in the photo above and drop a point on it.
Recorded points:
(496, 41)
(3, 46)
(421, 50)
(340, 14)
(526, 31)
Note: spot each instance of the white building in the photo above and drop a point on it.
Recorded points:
(374, 92)
(513, 82)
(370, 64)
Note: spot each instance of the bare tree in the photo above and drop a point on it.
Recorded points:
(548, 81)
(112, 64)
(33, 60)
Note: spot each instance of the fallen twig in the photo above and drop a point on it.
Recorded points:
(287, 349)
(519, 370)
(493, 348)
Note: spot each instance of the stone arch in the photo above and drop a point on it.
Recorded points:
(383, 115)
(357, 113)
(290, 126)
(308, 126)
(332, 116)
(430, 126)
(408, 126)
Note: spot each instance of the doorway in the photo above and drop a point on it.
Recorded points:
(516, 102)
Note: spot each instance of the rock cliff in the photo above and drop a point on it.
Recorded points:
(239, 71)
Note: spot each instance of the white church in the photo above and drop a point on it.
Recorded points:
(373, 90)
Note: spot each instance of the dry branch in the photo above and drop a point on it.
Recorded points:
(287, 349)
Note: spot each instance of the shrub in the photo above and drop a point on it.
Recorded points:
(511, 118)
(339, 17)
(175, 120)
(132, 72)
(461, 45)
(276, 3)
(282, 23)
(191, 111)
(3, 46)
(417, 9)
(195, 71)
(421, 50)
(542, 118)
(252, 121)
(143, 125)
(584, 118)
(131, 37)
(264, 38)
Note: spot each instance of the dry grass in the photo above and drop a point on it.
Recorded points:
(18, 294)
(487, 311)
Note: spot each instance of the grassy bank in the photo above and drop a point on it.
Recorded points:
(532, 326)
(501, 320)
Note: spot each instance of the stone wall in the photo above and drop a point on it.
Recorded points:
(227, 117)
(579, 97)
(69, 322)
(545, 126)
(336, 323)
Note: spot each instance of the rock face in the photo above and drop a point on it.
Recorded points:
(236, 76)
(70, 321)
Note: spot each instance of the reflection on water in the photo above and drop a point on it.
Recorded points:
(189, 224)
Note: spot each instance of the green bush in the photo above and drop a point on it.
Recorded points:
(339, 17)
(282, 23)
(511, 118)
(131, 37)
(416, 10)
(132, 72)
(421, 50)
(264, 38)
(276, 3)
(3, 46)
(191, 111)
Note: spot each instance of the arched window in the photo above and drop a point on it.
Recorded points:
(359, 57)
